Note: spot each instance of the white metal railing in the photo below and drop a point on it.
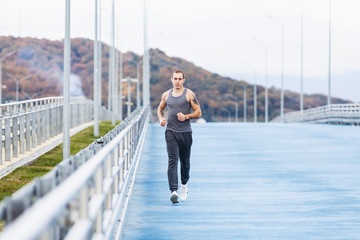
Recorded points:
(23, 105)
(332, 114)
(89, 202)
(26, 124)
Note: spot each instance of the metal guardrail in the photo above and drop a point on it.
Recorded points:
(26, 124)
(348, 114)
(23, 105)
(83, 196)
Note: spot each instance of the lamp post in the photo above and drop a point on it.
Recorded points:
(266, 79)
(245, 107)
(229, 114)
(66, 108)
(146, 59)
(301, 56)
(329, 86)
(31, 96)
(96, 74)
(1, 60)
(282, 68)
(129, 103)
(112, 90)
(138, 64)
(236, 106)
(255, 90)
(18, 80)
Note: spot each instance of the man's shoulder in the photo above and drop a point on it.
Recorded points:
(165, 94)
(189, 91)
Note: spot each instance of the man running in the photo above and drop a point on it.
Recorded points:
(178, 134)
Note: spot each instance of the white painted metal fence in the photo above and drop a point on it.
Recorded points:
(332, 114)
(90, 200)
(26, 124)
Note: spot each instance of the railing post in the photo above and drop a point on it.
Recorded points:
(33, 128)
(43, 124)
(121, 162)
(15, 137)
(48, 123)
(38, 126)
(28, 131)
(99, 190)
(108, 175)
(83, 201)
(1, 141)
(22, 133)
(126, 152)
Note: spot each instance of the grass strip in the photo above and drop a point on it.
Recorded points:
(45, 163)
(25, 174)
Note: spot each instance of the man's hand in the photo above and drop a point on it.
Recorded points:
(181, 117)
(163, 122)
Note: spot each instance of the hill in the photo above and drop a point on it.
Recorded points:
(42, 59)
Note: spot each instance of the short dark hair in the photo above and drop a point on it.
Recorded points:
(178, 71)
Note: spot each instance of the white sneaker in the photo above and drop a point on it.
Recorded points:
(183, 192)
(174, 198)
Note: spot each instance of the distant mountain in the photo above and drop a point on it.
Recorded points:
(42, 59)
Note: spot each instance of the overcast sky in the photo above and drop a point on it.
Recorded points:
(216, 35)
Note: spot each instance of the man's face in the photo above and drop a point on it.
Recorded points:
(177, 80)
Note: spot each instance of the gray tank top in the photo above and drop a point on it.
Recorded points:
(174, 106)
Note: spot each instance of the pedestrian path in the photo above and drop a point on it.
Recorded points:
(252, 181)
(28, 156)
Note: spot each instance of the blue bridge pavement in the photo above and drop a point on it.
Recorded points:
(252, 181)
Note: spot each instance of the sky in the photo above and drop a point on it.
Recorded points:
(217, 36)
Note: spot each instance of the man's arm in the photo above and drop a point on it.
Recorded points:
(161, 110)
(190, 95)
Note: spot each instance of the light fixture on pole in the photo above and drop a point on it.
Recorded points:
(236, 106)
(66, 108)
(129, 103)
(30, 96)
(138, 64)
(301, 57)
(229, 114)
(113, 92)
(282, 68)
(1, 60)
(146, 59)
(266, 79)
(245, 107)
(329, 85)
(255, 90)
(17, 81)
(96, 74)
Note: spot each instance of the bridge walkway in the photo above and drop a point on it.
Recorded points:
(252, 181)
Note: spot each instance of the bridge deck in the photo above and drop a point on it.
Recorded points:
(252, 181)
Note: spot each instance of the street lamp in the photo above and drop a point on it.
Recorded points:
(112, 78)
(146, 59)
(255, 90)
(329, 86)
(96, 73)
(30, 96)
(138, 64)
(266, 79)
(282, 68)
(1, 60)
(229, 114)
(129, 103)
(245, 107)
(236, 106)
(301, 57)
(66, 108)
(17, 80)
